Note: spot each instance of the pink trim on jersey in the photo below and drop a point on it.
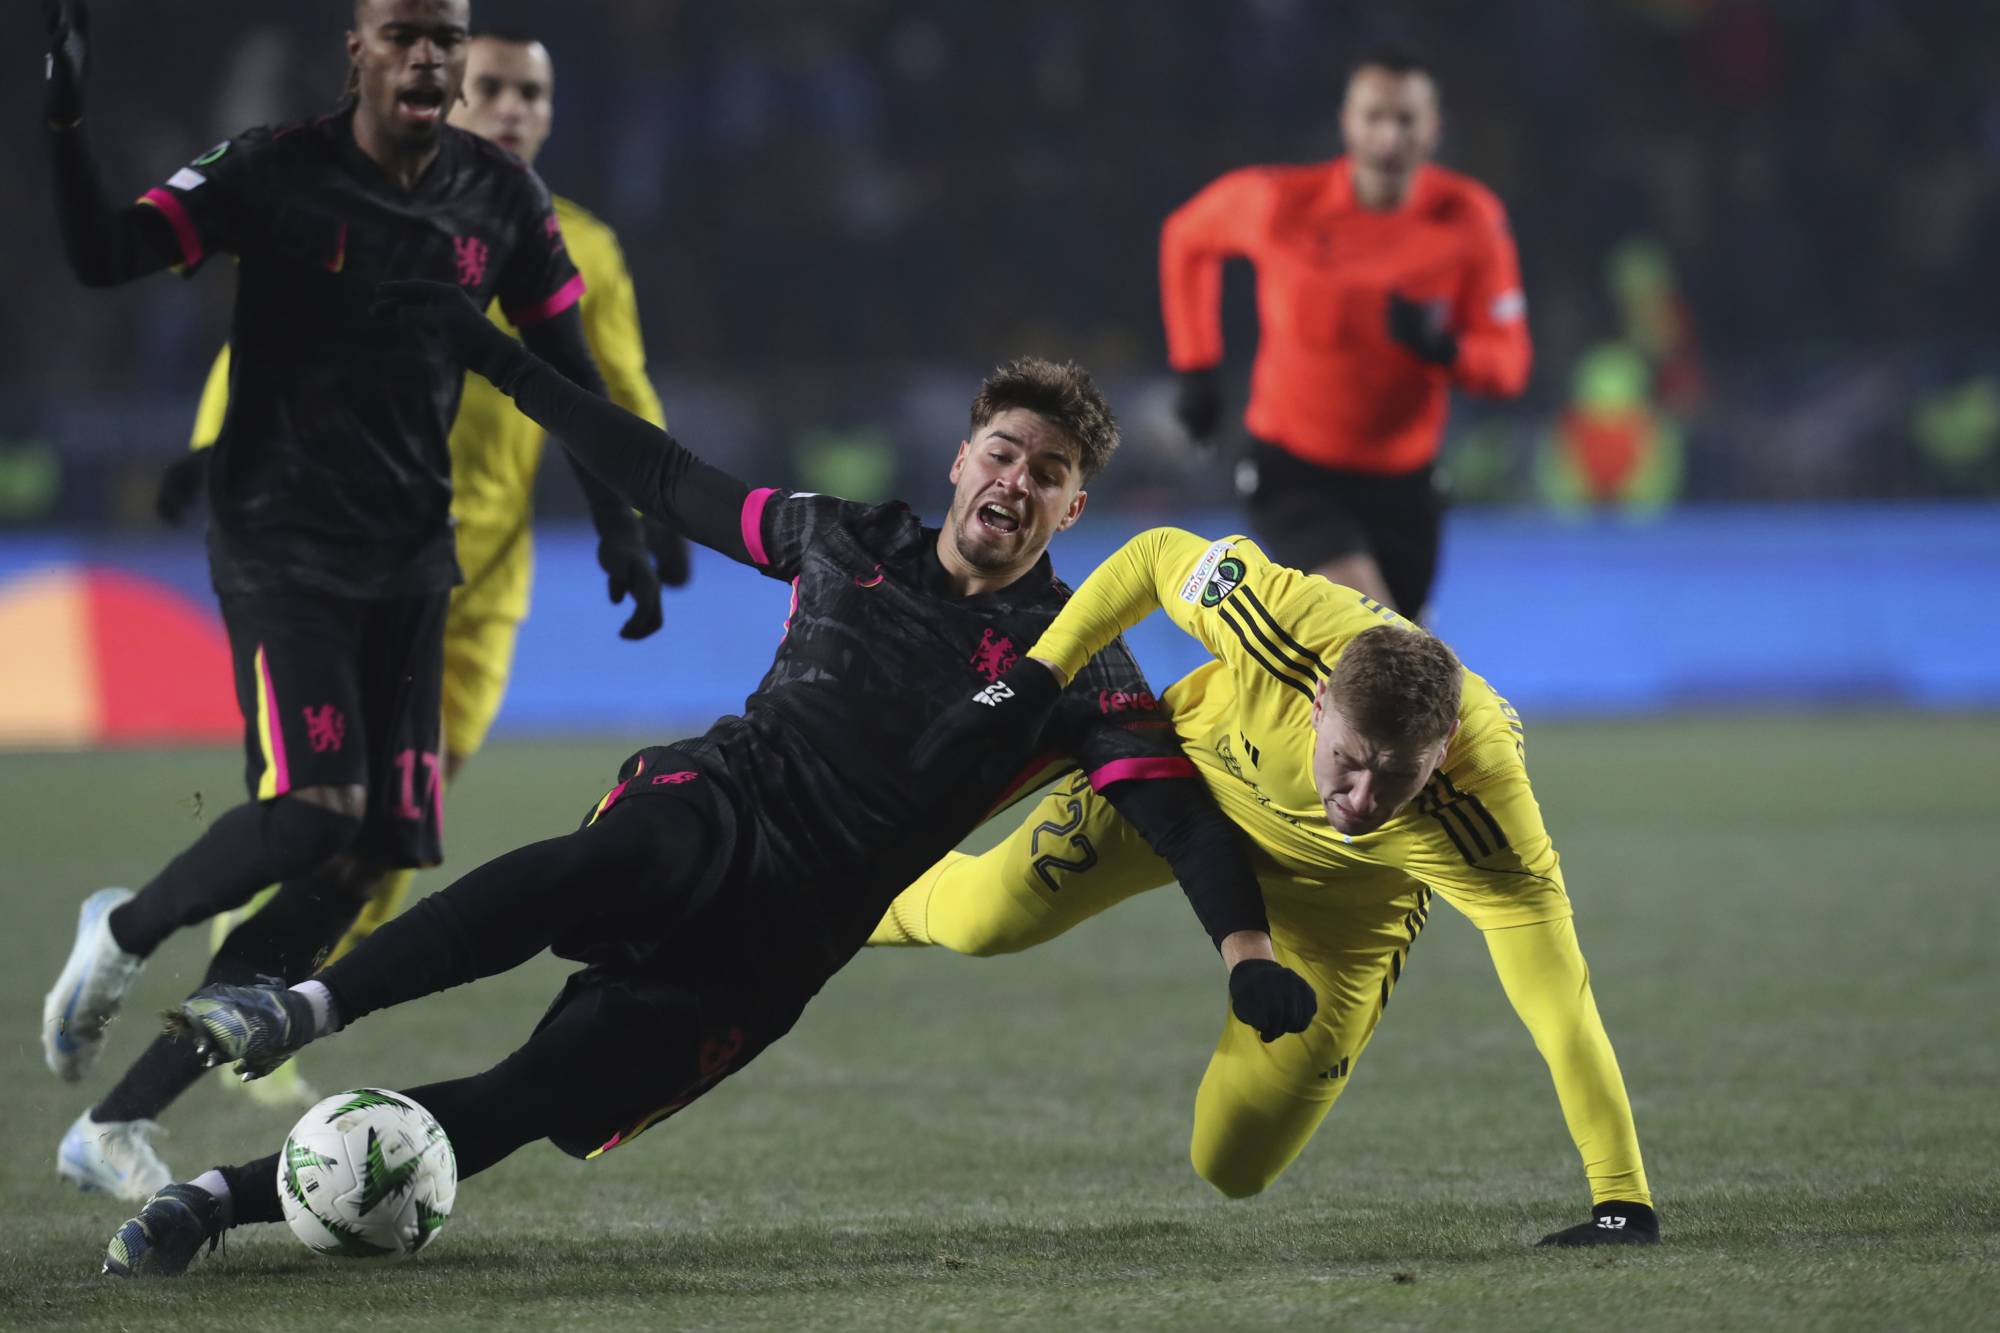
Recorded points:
(791, 610)
(1125, 770)
(281, 772)
(558, 301)
(177, 217)
(753, 526)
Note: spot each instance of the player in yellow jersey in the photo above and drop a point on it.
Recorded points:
(1370, 771)
(495, 452)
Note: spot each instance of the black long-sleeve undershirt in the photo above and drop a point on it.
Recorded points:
(1180, 821)
(646, 468)
(106, 245)
(562, 343)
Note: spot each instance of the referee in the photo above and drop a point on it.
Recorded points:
(1382, 280)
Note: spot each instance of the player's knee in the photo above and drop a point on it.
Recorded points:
(1233, 1174)
(317, 830)
(348, 800)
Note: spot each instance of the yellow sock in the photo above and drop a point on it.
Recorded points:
(384, 901)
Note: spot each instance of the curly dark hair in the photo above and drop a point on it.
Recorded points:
(1061, 391)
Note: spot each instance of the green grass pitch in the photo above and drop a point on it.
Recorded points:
(1791, 925)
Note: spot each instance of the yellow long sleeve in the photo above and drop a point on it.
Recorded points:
(1119, 593)
(1542, 970)
(611, 320)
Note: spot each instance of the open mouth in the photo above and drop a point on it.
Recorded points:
(423, 103)
(999, 518)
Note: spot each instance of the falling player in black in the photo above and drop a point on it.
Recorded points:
(330, 547)
(718, 886)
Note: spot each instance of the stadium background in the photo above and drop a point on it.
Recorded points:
(1750, 231)
(1735, 555)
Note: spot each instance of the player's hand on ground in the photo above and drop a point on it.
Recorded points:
(1419, 326)
(181, 486)
(68, 25)
(628, 566)
(1611, 1224)
(1271, 998)
(442, 310)
(1198, 405)
(1008, 712)
(670, 551)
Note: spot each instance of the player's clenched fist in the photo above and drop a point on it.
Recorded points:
(1009, 711)
(1271, 998)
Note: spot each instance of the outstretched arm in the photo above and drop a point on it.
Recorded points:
(560, 341)
(1546, 980)
(643, 466)
(1159, 568)
(105, 245)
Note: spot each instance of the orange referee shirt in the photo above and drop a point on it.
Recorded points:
(1329, 384)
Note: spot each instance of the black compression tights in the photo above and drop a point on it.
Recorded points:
(632, 875)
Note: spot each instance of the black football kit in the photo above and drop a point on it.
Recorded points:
(330, 545)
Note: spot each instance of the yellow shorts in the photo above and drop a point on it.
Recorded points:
(480, 631)
(1073, 856)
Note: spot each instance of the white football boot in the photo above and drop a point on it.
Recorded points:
(87, 994)
(115, 1157)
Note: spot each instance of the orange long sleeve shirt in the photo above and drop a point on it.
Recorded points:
(1329, 383)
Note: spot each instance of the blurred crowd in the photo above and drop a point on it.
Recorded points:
(1751, 230)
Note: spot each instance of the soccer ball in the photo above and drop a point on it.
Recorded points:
(367, 1174)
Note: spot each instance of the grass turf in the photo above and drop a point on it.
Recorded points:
(1790, 923)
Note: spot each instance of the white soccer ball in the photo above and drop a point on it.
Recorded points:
(367, 1174)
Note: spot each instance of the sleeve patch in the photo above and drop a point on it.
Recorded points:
(1508, 306)
(187, 178)
(1193, 590)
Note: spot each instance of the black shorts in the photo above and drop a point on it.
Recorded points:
(342, 691)
(652, 1044)
(1305, 515)
(671, 1017)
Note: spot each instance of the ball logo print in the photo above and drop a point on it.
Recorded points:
(367, 1174)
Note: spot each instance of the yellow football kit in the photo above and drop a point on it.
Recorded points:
(1344, 910)
(495, 453)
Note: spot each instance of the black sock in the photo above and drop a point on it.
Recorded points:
(288, 936)
(256, 844)
(285, 939)
(164, 1070)
(253, 1192)
(625, 878)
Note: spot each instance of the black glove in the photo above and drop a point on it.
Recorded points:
(1271, 998)
(1198, 404)
(670, 551)
(68, 25)
(1611, 1224)
(622, 554)
(443, 311)
(181, 486)
(1419, 326)
(1010, 711)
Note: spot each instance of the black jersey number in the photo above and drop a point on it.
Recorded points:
(1077, 855)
